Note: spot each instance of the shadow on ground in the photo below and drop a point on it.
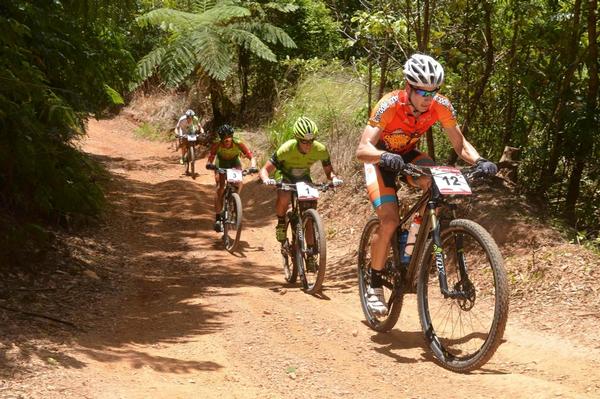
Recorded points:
(143, 276)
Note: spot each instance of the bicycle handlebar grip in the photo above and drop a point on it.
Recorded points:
(211, 166)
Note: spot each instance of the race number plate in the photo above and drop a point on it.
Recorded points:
(306, 192)
(450, 180)
(191, 137)
(234, 175)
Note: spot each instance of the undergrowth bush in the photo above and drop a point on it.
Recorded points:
(335, 99)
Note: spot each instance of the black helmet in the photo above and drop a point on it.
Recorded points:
(225, 131)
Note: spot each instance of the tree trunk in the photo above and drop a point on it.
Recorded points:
(573, 192)
(475, 101)
(243, 72)
(384, 67)
(556, 124)
(510, 112)
(370, 88)
(585, 146)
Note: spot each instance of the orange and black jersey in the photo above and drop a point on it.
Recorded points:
(401, 130)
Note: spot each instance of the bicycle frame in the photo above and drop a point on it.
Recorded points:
(430, 224)
(296, 222)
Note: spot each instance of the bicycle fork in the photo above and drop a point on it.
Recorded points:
(300, 248)
(438, 253)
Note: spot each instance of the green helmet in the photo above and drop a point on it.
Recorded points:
(305, 129)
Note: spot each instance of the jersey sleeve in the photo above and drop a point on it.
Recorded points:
(384, 110)
(323, 154)
(445, 111)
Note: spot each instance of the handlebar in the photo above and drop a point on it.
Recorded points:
(292, 186)
(469, 172)
(247, 171)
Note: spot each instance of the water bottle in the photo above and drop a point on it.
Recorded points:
(402, 237)
(411, 238)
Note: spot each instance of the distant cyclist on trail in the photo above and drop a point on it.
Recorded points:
(291, 163)
(389, 141)
(188, 123)
(227, 150)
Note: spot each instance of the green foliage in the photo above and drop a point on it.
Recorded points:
(149, 131)
(207, 40)
(56, 66)
(327, 93)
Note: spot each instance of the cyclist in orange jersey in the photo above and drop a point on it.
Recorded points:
(389, 141)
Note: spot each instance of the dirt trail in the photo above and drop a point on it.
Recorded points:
(189, 320)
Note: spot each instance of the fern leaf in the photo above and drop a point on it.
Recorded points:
(146, 67)
(167, 19)
(212, 53)
(113, 95)
(269, 33)
(178, 63)
(284, 8)
(250, 42)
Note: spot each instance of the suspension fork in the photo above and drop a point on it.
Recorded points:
(226, 194)
(297, 216)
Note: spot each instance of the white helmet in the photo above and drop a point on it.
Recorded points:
(423, 72)
(189, 113)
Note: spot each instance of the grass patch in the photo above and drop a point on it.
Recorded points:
(151, 132)
(336, 100)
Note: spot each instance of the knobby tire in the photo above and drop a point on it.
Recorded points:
(233, 222)
(376, 322)
(482, 317)
(313, 281)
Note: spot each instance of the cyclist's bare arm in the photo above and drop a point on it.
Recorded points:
(366, 151)
(329, 172)
(461, 145)
(266, 170)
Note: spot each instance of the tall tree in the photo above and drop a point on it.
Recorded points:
(204, 44)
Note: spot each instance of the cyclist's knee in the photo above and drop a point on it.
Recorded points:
(388, 225)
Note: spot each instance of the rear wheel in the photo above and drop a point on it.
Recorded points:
(232, 226)
(464, 332)
(314, 258)
(288, 252)
(391, 285)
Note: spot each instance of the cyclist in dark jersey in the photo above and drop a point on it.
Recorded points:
(291, 163)
(227, 150)
(389, 141)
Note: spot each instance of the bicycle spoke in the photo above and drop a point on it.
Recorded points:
(465, 331)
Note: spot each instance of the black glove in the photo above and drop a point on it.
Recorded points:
(484, 166)
(391, 161)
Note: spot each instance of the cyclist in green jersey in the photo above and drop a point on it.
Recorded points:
(291, 163)
(227, 150)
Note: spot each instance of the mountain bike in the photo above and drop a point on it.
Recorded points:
(304, 254)
(190, 140)
(231, 213)
(456, 270)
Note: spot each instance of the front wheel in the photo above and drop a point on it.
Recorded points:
(192, 159)
(288, 251)
(391, 277)
(312, 253)
(232, 225)
(463, 332)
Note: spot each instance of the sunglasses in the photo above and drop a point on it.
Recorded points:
(306, 141)
(424, 93)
